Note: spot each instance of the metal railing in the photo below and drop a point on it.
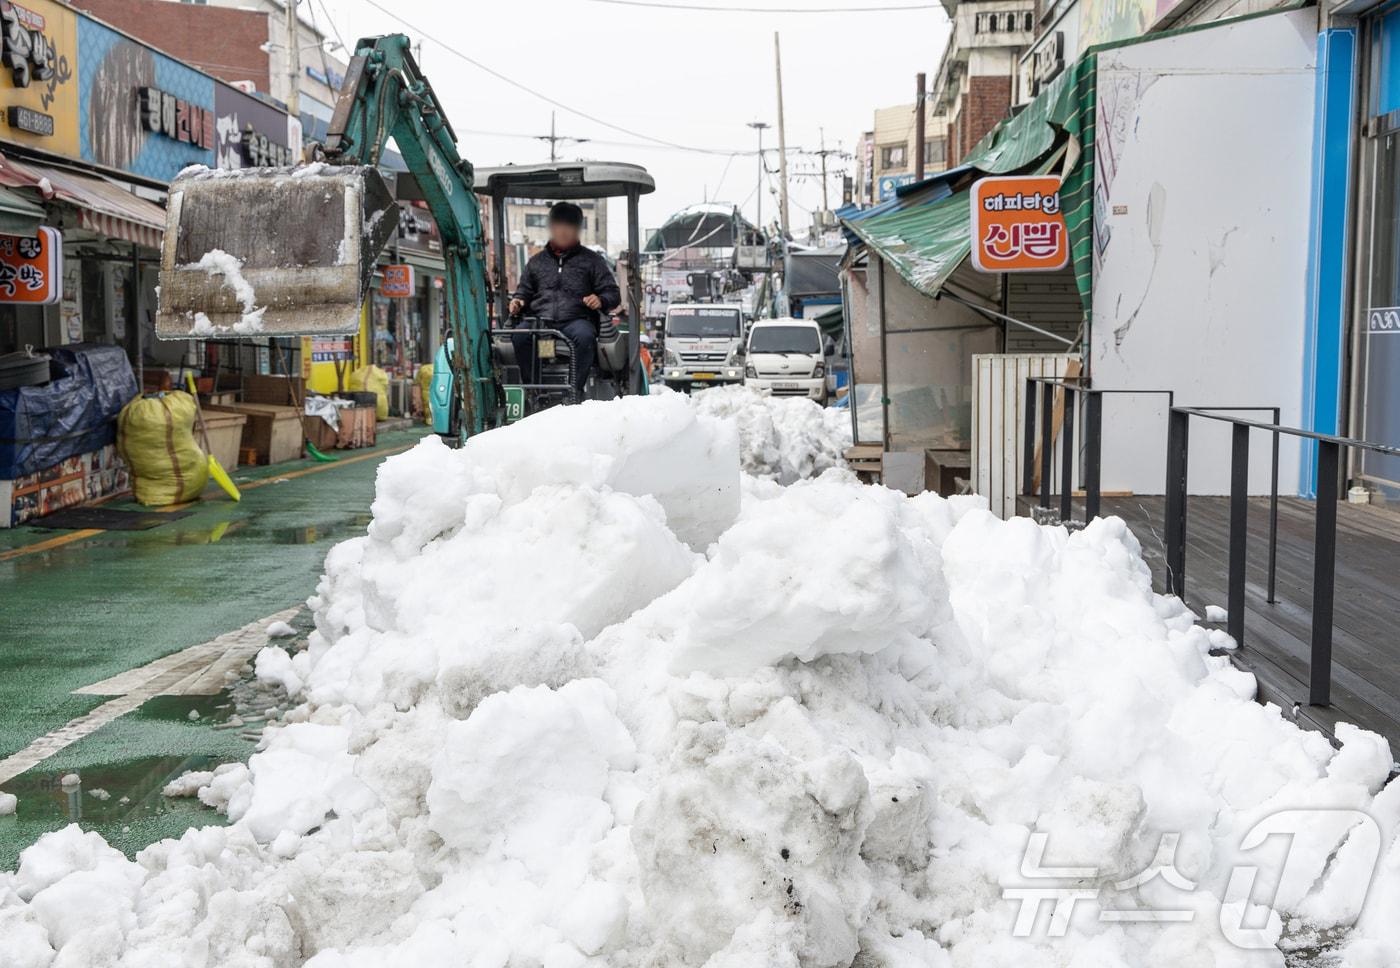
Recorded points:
(1329, 448)
(1092, 465)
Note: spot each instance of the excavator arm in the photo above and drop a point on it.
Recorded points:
(291, 251)
(385, 95)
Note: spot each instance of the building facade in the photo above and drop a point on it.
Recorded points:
(893, 144)
(977, 80)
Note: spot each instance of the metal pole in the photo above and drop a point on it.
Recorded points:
(1093, 454)
(634, 292)
(782, 141)
(135, 317)
(919, 133)
(1178, 426)
(884, 365)
(1273, 515)
(1028, 442)
(503, 287)
(1067, 459)
(1047, 463)
(1324, 573)
(1239, 525)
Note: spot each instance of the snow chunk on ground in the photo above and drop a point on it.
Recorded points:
(280, 630)
(583, 695)
(8, 803)
(782, 438)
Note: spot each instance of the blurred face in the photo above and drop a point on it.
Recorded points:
(563, 235)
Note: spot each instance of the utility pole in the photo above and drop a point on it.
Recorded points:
(554, 139)
(759, 126)
(293, 61)
(782, 141)
(826, 206)
(919, 133)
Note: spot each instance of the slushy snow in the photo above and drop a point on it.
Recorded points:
(586, 695)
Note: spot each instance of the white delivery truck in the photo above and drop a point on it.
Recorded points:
(785, 358)
(704, 345)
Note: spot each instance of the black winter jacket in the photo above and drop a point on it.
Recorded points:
(553, 285)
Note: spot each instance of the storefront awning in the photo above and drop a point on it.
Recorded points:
(924, 233)
(923, 244)
(103, 206)
(18, 215)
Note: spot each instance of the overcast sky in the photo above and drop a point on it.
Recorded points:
(693, 78)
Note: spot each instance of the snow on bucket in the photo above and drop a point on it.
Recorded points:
(270, 251)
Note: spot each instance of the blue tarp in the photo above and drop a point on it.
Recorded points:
(74, 413)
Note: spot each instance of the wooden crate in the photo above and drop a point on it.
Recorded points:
(320, 434)
(273, 432)
(276, 390)
(225, 436)
(357, 427)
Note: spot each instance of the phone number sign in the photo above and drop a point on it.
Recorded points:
(1017, 224)
(31, 268)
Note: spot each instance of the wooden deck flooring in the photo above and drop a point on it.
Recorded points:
(1366, 637)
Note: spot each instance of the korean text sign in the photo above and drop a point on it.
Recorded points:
(397, 282)
(31, 269)
(1017, 225)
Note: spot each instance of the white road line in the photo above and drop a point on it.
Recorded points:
(197, 670)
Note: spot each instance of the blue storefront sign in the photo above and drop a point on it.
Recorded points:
(140, 111)
(888, 183)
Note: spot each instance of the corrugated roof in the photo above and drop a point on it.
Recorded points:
(923, 244)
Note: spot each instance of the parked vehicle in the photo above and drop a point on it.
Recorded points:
(784, 357)
(704, 345)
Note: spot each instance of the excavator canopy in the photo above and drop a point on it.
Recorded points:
(271, 251)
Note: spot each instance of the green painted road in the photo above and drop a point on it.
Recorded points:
(79, 608)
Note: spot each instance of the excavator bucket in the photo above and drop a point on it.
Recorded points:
(271, 251)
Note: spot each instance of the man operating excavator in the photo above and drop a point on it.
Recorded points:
(566, 287)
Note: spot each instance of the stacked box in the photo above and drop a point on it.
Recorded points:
(74, 480)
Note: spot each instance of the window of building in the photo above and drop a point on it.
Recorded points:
(893, 156)
(935, 151)
(536, 220)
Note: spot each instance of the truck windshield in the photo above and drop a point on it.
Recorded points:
(784, 339)
(702, 322)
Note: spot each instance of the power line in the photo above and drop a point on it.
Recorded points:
(804, 10)
(542, 96)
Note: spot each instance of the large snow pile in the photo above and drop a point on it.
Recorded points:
(582, 695)
(783, 439)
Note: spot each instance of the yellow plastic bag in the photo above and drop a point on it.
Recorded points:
(425, 391)
(372, 379)
(155, 436)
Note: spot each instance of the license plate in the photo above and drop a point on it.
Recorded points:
(702, 376)
(783, 385)
(515, 403)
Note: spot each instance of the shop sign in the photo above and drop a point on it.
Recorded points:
(31, 269)
(417, 229)
(141, 111)
(1017, 225)
(1383, 320)
(328, 349)
(38, 53)
(29, 55)
(249, 133)
(888, 184)
(397, 282)
(176, 118)
(1048, 61)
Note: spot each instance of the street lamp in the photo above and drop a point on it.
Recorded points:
(759, 126)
